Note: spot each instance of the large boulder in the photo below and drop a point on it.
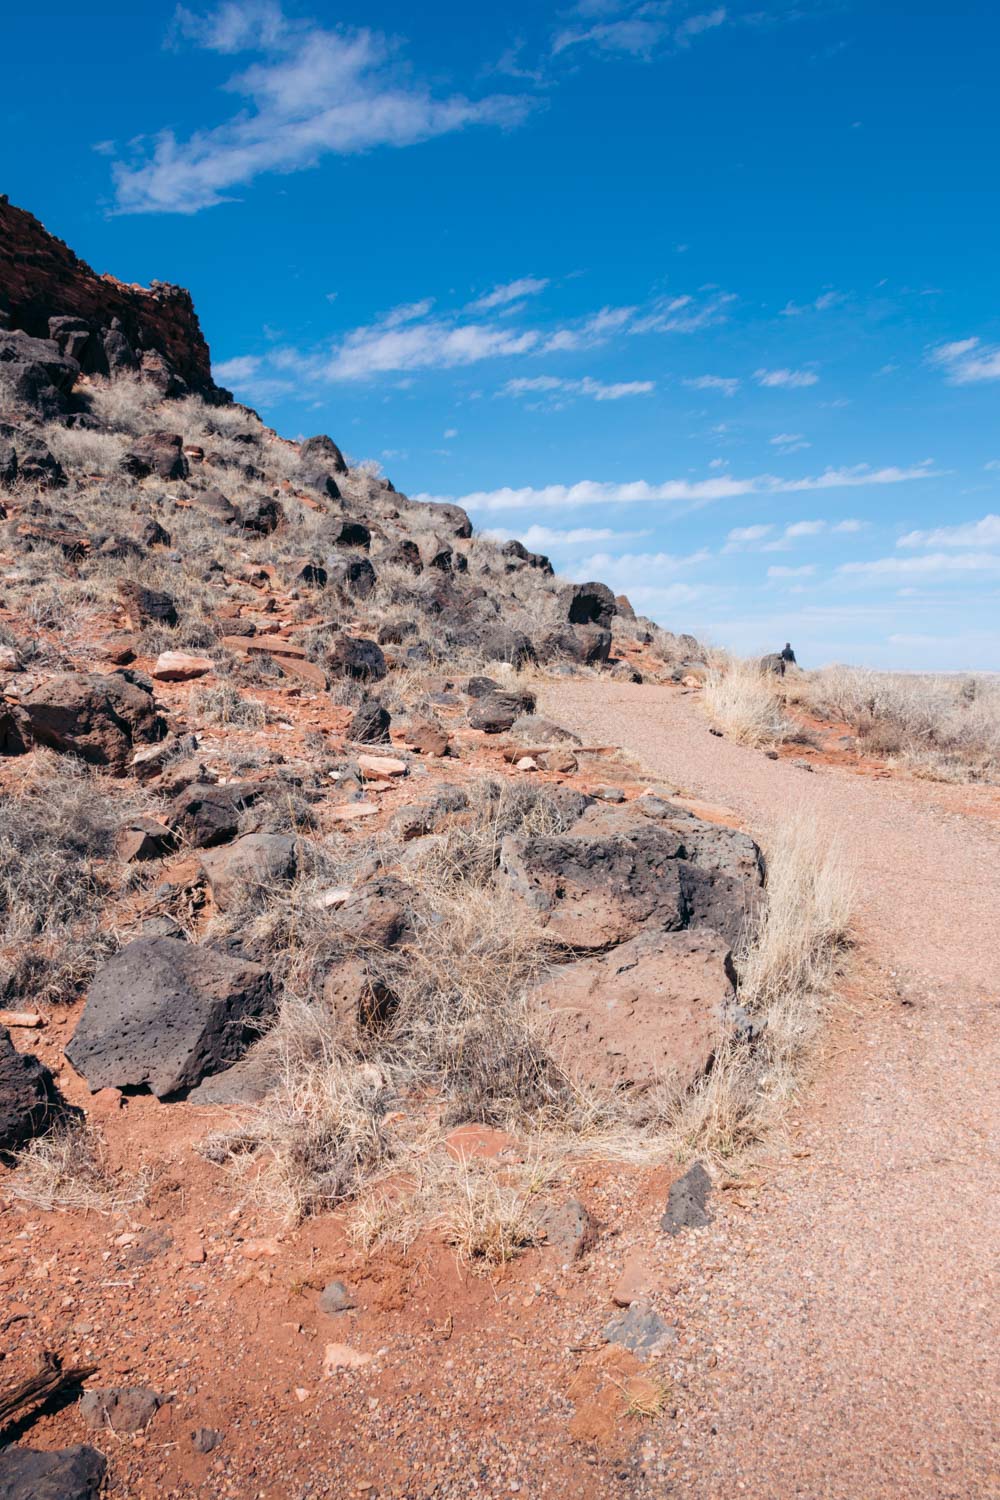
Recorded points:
(586, 645)
(204, 814)
(517, 555)
(216, 506)
(492, 640)
(589, 604)
(26, 457)
(355, 575)
(650, 1011)
(319, 478)
(370, 724)
(254, 863)
(15, 730)
(75, 1473)
(451, 519)
(160, 453)
(100, 719)
(499, 711)
(323, 450)
(357, 657)
(348, 533)
(595, 891)
(262, 518)
(35, 373)
(145, 606)
(164, 1013)
(28, 1096)
(403, 554)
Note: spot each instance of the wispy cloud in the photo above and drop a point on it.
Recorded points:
(682, 492)
(787, 379)
(767, 537)
(789, 442)
(314, 92)
(726, 385)
(935, 565)
(983, 533)
(822, 303)
(574, 536)
(511, 291)
(967, 361)
(638, 30)
(556, 391)
(806, 571)
(418, 336)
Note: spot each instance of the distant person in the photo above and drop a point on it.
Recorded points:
(788, 655)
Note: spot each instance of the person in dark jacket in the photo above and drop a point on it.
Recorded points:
(788, 655)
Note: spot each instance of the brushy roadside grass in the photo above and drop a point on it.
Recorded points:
(744, 703)
(941, 726)
(785, 969)
(68, 1169)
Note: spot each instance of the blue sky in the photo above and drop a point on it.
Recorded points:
(700, 299)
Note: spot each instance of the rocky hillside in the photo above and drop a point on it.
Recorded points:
(281, 825)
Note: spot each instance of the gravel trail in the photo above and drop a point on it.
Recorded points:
(852, 1308)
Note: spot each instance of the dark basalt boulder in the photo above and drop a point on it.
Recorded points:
(355, 656)
(585, 645)
(451, 519)
(162, 1014)
(59, 1474)
(36, 374)
(370, 725)
(355, 576)
(498, 712)
(403, 554)
(516, 552)
(348, 533)
(589, 604)
(29, 1100)
(100, 719)
(160, 453)
(322, 450)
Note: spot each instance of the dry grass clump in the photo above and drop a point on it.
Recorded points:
(936, 724)
(58, 823)
(68, 1170)
(226, 707)
(487, 1210)
(320, 1133)
(743, 702)
(77, 448)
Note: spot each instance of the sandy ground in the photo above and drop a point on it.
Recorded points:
(853, 1310)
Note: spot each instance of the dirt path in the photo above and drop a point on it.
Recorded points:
(852, 1309)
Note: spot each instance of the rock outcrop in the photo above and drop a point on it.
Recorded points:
(101, 324)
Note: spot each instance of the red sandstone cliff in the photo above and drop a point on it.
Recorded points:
(41, 279)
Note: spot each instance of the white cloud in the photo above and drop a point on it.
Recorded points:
(943, 565)
(789, 442)
(726, 385)
(680, 491)
(742, 534)
(806, 571)
(243, 367)
(512, 291)
(787, 379)
(554, 386)
(316, 92)
(805, 528)
(394, 343)
(450, 432)
(967, 361)
(984, 533)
